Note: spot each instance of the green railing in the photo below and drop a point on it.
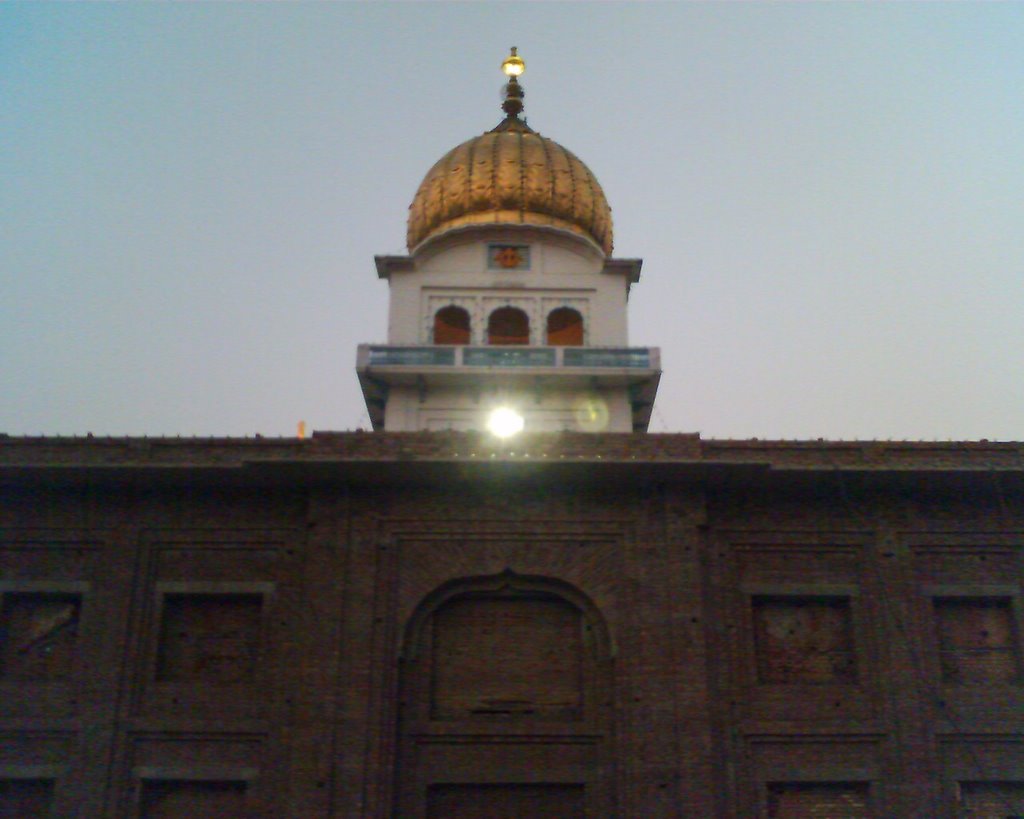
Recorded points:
(455, 356)
(509, 356)
(412, 356)
(603, 357)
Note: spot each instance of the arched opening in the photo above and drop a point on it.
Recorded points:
(489, 663)
(565, 328)
(451, 325)
(508, 325)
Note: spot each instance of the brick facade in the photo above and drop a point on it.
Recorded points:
(422, 624)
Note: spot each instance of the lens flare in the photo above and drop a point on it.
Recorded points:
(591, 413)
(505, 422)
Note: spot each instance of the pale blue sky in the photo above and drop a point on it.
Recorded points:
(829, 202)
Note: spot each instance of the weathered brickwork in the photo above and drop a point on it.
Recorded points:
(992, 800)
(433, 625)
(818, 800)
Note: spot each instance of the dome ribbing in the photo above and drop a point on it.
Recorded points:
(511, 175)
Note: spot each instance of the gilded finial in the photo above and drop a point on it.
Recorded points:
(513, 67)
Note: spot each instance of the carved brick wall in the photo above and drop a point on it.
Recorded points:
(209, 639)
(818, 800)
(801, 639)
(506, 657)
(38, 635)
(176, 799)
(26, 797)
(977, 640)
(489, 801)
(629, 648)
(992, 800)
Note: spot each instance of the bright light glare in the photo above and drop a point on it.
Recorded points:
(513, 65)
(591, 413)
(505, 422)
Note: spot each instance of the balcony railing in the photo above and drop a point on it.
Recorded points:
(412, 356)
(508, 356)
(606, 357)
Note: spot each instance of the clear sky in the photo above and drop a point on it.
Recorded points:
(829, 202)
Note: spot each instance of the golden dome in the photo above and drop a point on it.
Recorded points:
(510, 176)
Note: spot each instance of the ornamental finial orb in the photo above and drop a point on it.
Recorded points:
(513, 65)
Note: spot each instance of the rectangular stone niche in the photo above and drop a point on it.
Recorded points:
(204, 799)
(25, 798)
(828, 800)
(985, 800)
(804, 640)
(977, 640)
(38, 635)
(209, 638)
(512, 800)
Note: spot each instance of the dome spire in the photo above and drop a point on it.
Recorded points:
(510, 175)
(512, 67)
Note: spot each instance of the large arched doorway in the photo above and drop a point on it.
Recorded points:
(505, 709)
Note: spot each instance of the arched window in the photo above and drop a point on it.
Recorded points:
(451, 325)
(508, 325)
(565, 327)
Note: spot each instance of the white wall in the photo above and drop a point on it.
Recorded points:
(578, 410)
(564, 270)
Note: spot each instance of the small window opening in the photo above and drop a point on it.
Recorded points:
(565, 328)
(451, 326)
(508, 325)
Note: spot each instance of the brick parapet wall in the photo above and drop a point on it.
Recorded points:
(456, 447)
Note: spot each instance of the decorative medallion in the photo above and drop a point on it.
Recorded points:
(508, 257)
